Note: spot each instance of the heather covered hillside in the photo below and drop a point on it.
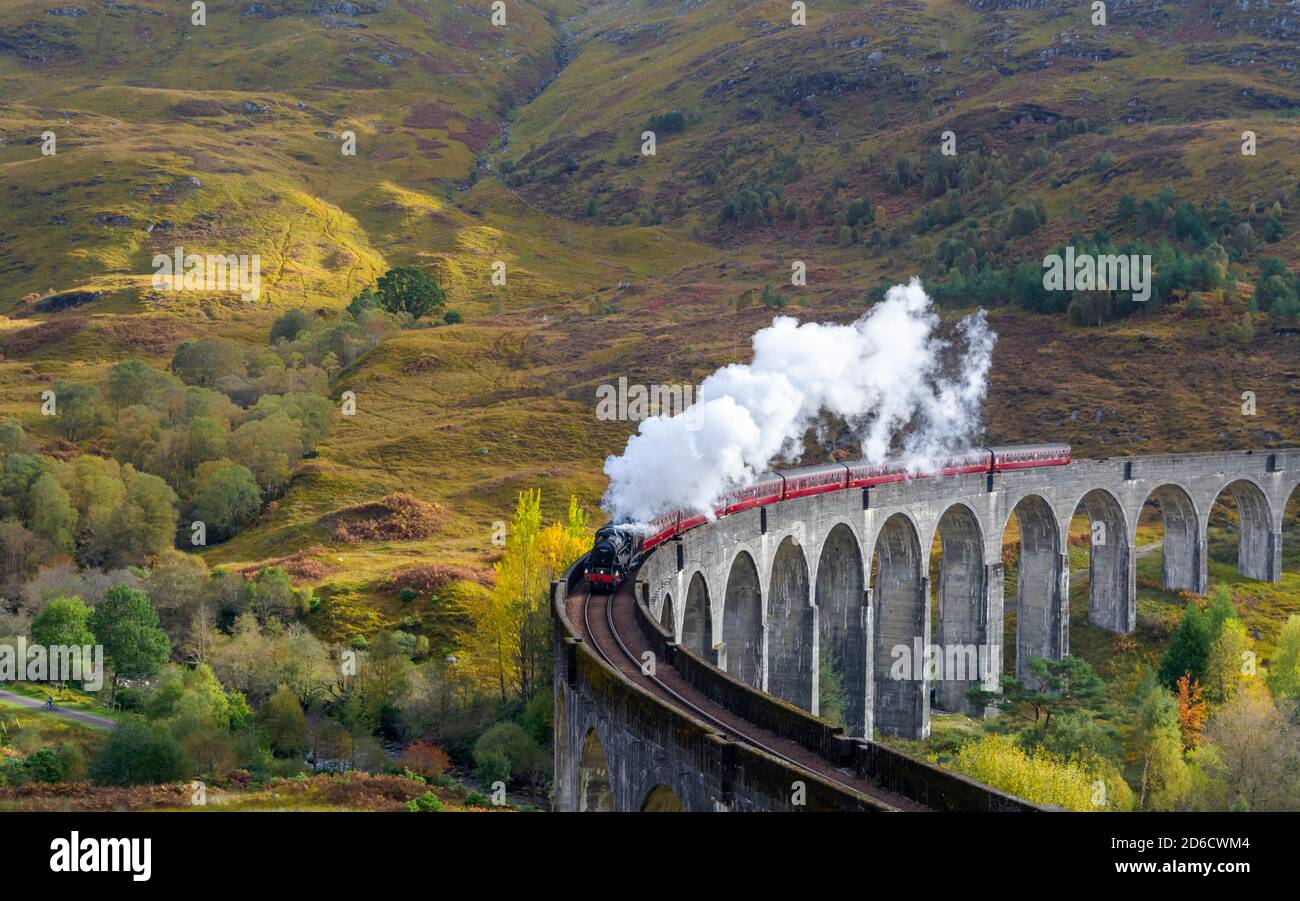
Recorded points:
(465, 227)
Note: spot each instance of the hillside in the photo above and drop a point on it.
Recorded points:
(522, 144)
(369, 455)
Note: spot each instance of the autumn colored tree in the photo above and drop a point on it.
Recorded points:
(1191, 711)
(424, 758)
(1231, 662)
(1254, 752)
(1284, 668)
(510, 643)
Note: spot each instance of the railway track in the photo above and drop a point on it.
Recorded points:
(619, 649)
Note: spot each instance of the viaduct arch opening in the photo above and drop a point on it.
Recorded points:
(1291, 531)
(790, 619)
(1182, 547)
(1241, 511)
(1111, 577)
(667, 617)
(662, 799)
(1041, 605)
(742, 623)
(594, 790)
(842, 632)
(697, 619)
(901, 607)
(961, 608)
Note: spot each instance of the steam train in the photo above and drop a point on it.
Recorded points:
(618, 546)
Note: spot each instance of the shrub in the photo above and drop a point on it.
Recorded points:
(425, 803)
(491, 767)
(44, 766)
(138, 753)
(1041, 777)
(668, 123)
(524, 757)
(426, 759)
(289, 326)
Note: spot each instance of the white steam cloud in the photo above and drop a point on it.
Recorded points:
(883, 375)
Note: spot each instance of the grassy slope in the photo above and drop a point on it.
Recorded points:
(466, 416)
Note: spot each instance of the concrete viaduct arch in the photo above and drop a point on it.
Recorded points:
(788, 596)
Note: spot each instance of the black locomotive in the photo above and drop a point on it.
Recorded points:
(611, 556)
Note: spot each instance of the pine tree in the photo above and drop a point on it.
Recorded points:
(1189, 648)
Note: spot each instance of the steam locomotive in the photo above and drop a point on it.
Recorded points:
(619, 546)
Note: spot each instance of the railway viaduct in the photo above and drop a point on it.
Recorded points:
(760, 606)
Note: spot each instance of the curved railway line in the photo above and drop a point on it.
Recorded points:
(608, 624)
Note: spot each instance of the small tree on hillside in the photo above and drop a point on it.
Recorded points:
(1189, 648)
(407, 289)
(228, 500)
(1057, 686)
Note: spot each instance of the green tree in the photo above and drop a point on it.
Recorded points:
(1155, 747)
(133, 382)
(1077, 736)
(1284, 668)
(527, 759)
(63, 621)
(366, 300)
(137, 435)
(1255, 752)
(146, 524)
(270, 448)
(1224, 668)
(207, 361)
(407, 289)
(205, 439)
(831, 688)
(311, 411)
(45, 766)
(289, 326)
(127, 626)
(52, 516)
(283, 723)
(1220, 609)
(79, 413)
(138, 753)
(273, 594)
(227, 500)
(1051, 687)
(1188, 650)
(12, 438)
(17, 476)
